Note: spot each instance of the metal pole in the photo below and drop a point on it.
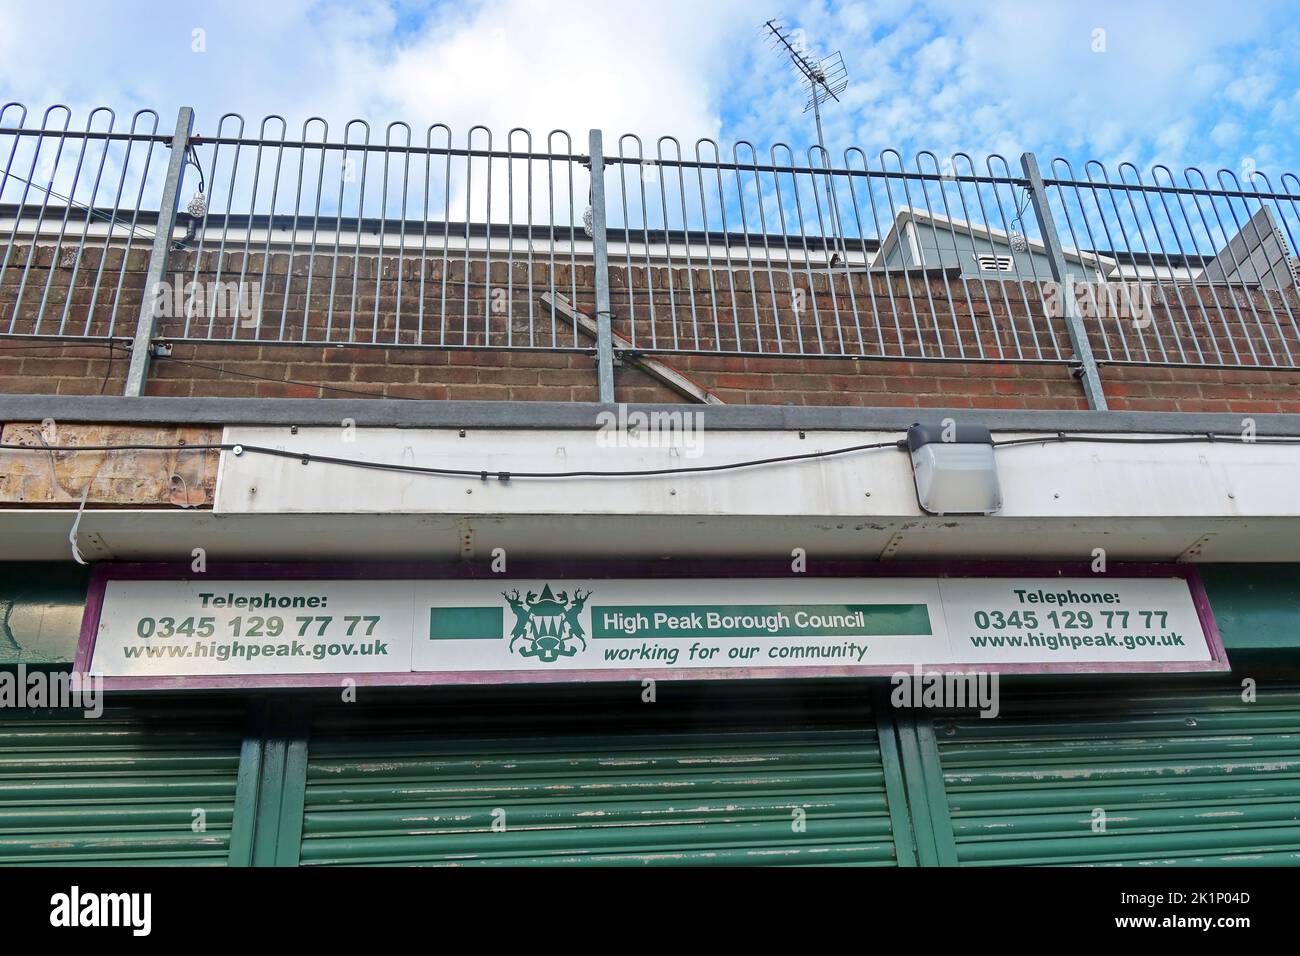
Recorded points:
(604, 332)
(1088, 373)
(826, 158)
(162, 242)
(817, 116)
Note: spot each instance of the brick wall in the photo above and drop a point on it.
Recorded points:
(1152, 389)
(732, 311)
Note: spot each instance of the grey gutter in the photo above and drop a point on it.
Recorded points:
(396, 413)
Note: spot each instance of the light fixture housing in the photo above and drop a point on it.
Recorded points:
(954, 469)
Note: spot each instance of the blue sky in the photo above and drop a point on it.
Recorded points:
(1213, 83)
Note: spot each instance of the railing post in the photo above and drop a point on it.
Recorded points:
(1089, 374)
(162, 244)
(604, 331)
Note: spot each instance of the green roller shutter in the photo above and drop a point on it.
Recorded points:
(127, 787)
(585, 775)
(1192, 776)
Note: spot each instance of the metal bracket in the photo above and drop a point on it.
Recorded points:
(162, 243)
(657, 370)
(1194, 550)
(1089, 374)
(466, 541)
(890, 551)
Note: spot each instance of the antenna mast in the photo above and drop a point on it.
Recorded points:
(824, 77)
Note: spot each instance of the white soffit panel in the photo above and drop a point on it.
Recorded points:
(172, 536)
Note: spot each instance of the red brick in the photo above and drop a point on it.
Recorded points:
(494, 374)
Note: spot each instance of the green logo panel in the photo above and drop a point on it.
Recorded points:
(465, 623)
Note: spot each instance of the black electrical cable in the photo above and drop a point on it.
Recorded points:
(112, 348)
(192, 159)
(91, 212)
(116, 347)
(267, 378)
(646, 473)
(306, 458)
(504, 475)
(73, 344)
(108, 370)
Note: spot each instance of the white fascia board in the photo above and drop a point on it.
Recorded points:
(1067, 480)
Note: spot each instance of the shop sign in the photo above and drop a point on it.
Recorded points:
(146, 629)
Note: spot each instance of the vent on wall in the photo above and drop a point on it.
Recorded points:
(992, 263)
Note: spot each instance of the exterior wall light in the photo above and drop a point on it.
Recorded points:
(954, 469)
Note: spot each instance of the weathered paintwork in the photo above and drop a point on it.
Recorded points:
(140, 477)
(783, 772)
(705, 776)
(1257, 606)
(1126, 776)
(144, 784)
(40, 612)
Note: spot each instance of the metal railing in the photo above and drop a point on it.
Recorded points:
(1219, 262)
(50, 168)
(778, 296)
(429, 239)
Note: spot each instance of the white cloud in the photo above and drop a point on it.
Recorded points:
(1250, 91)
(519, 63)
(535, 63)
(1226, 133)
(942, 74)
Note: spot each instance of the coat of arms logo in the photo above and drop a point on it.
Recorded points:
(548, 623)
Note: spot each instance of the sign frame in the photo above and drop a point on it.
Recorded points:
(615, 570)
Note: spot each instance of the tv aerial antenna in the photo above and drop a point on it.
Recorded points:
(824, 78)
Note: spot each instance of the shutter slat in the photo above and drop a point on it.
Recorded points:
(120, 789)
(765, 780)
(1176, 777)
(526, 815)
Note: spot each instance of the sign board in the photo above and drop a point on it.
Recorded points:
(144, 629)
